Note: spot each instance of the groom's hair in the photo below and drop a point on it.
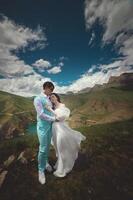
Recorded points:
(48, 84)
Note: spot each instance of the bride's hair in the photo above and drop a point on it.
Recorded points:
(58, 99)
(57, 96)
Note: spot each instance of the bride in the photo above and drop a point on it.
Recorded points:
(65, 140)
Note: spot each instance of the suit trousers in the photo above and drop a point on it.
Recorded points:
(44, 136)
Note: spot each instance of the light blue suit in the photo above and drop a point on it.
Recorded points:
(44, 129)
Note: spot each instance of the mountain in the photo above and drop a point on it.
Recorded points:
(15, 113)
(103, 103)
(124, 81)
(109, 102)
(85, 90)
(103, 169)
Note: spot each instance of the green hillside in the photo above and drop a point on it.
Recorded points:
(104, 168)
(102, 104)
(106, 105)
(15, 113)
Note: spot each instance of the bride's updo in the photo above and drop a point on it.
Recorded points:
(58, 97)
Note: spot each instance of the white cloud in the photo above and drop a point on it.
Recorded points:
(28, 86)
(24, 86)
(62, 58)
(127, 50)
(14, 37)
(89, 80)
(61, 64)
(42, 64)
(92, 38)
(92, 69)
(115, 64)
(32, 84)
(117, 19)
(116, 16)
(54, 70)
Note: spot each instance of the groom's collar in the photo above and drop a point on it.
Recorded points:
(44, 95)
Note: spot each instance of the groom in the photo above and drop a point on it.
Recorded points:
(44, 126)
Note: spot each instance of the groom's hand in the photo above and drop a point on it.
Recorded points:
(57, 120)
(60, 119)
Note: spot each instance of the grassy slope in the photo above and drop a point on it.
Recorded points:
(109, 104)
(11, 105)
(103, 170)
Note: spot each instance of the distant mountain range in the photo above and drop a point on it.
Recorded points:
(124, 81)
(109, 102)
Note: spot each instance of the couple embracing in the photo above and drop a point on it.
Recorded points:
(51, 116)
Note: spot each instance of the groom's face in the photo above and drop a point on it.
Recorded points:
(48, 90)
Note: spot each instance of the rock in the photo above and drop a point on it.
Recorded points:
(22, 158)
(21, 134)
(2, 177)
(27, 156)
(9, 161)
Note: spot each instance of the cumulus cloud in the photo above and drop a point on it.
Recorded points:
(117, 19)
(90, 79)
(24, 86)
(113, 65)
(14, 37)
(61, 64)
(28, 86)
(115, 16)
(42, 64)
(32, 84)
(54, 70)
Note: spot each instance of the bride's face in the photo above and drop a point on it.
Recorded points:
(53, 98)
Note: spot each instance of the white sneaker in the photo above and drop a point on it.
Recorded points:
(48, 167)
(42, 179)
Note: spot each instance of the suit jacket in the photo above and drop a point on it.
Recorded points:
(44, 117)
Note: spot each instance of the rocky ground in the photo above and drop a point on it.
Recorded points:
(103, 170)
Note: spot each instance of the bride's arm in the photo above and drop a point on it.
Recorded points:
(49, 109)
(64, 115)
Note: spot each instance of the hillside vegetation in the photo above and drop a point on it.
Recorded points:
(15, 113)
(103, 170)
(106, 105)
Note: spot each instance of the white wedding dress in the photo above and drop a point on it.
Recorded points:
(66, 142)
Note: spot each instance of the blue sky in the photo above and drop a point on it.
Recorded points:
(75, 44)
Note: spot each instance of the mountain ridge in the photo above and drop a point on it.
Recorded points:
(107, 103)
